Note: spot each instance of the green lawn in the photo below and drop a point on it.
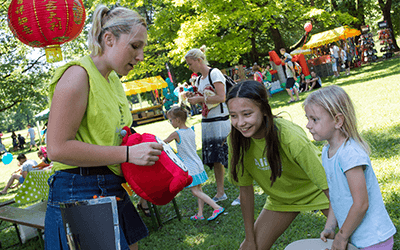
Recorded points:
(375, 92)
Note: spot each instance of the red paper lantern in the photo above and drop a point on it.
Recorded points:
(46, 23)
(308, 27)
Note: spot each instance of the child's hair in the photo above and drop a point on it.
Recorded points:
(257, 93)
(21, 157)
(195, 54)
(256, 68)
(178, 112)
(118, 21)
(336, 101)
(283, 50)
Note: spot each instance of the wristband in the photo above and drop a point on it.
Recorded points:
(127, 153)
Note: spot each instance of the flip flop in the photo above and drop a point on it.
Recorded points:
(216, 213)
(147, 214)
(291, 101)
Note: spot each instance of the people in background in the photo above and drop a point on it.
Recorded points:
(303, 83)
(31, 133)
(42, 154)
(277, 155)
(21, 141)
(291, 80)
(25, 167)
(335, 57)
(257, 74)
(215, 124)
(14, 141)
(185, 139)
(88, 112)
(314, 83)
(345, 61)
(287, 57)
(356, 205)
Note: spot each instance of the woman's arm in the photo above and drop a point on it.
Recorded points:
(173, 136)
(67, 109)
(247, 207)
(358, 188)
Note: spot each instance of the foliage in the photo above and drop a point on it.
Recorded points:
(234, 31)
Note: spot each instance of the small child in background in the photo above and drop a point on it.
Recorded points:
(356, 201)
(286, 55)
(186, 146)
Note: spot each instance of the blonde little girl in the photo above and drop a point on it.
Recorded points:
(186, 146)
(356, 204)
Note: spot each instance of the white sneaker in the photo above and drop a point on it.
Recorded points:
(235, 202)
(222, 198)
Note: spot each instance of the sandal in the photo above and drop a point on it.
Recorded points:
(195, 217)
(291, 101)
(144, 210)
(216, 213)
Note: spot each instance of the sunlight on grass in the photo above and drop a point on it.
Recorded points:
(194, 240)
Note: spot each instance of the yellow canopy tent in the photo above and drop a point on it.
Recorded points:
(331, 36)
(144, 85)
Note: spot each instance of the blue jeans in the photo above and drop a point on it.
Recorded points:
(68, 187)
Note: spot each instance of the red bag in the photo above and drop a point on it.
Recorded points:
(161, 182)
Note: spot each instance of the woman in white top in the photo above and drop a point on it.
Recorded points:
(215, 121)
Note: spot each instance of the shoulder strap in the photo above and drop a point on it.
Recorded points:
(209, 78)
(211, 83)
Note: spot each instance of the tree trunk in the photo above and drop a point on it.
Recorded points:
(277, 38)
(387, 17)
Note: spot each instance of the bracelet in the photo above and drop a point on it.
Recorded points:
(127, 153)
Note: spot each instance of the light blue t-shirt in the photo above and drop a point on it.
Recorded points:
(28, 165)
(31, 133)
(376, 226)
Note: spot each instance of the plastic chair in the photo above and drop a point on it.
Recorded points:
(314, 244)
(92, 224)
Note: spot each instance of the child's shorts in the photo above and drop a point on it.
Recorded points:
(386, 245)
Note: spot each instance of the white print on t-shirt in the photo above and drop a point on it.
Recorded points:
(262, 164)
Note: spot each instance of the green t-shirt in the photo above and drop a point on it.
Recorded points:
(303, 177)
(268, 76)
(107, 110)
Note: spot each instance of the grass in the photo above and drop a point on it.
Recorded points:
(374, 90)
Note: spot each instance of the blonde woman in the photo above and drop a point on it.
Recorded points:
(215, 124)
(88, 111)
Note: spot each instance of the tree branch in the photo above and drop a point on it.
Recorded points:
(11, 105)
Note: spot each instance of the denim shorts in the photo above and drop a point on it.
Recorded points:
(69, 187)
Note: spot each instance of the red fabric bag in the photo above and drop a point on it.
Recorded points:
(161, 182)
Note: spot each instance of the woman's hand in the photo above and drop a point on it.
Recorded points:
(145, 154)
(248, 245)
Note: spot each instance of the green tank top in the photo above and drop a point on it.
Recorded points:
(107, 110)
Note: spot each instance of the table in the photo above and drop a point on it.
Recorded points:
(35, 187)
